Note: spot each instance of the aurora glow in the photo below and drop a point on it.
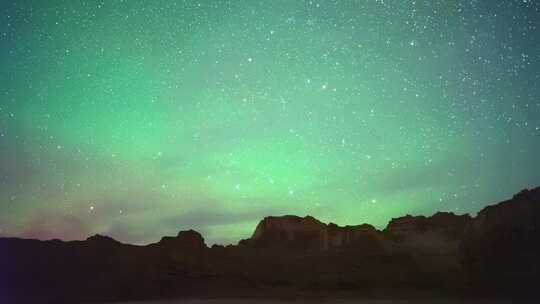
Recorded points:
(137, 119)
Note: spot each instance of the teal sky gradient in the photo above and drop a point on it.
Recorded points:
(137, 119)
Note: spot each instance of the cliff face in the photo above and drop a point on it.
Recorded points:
(289, 231)
(445, 223)
(501, 246)
(309, 234)
(520, 215)
(189, 240)
(444, 253)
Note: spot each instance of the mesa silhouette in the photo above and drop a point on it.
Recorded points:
(495, 254)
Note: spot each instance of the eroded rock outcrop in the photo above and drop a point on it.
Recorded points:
(443, 254)
(445, 223)
(501, 246)
(289, 231)
(309, 234)
(185, 240)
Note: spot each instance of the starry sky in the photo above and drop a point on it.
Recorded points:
(137, 119)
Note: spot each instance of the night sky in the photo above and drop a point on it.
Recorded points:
(137, 119)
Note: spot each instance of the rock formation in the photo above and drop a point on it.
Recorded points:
(444, 254)
(309, 234)
(501, 246)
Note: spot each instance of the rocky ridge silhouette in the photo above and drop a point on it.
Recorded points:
(494, 254)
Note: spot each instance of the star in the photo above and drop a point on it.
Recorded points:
(250, 109)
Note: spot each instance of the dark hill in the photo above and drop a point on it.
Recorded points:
(494, 254)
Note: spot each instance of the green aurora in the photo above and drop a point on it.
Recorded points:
(137, 119)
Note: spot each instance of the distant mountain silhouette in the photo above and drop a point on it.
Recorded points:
(495, 254)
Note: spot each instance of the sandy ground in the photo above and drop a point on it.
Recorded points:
(327, 301)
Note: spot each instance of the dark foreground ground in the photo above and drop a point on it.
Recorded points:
(333, 301)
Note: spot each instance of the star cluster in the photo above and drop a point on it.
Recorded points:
(136, 119)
